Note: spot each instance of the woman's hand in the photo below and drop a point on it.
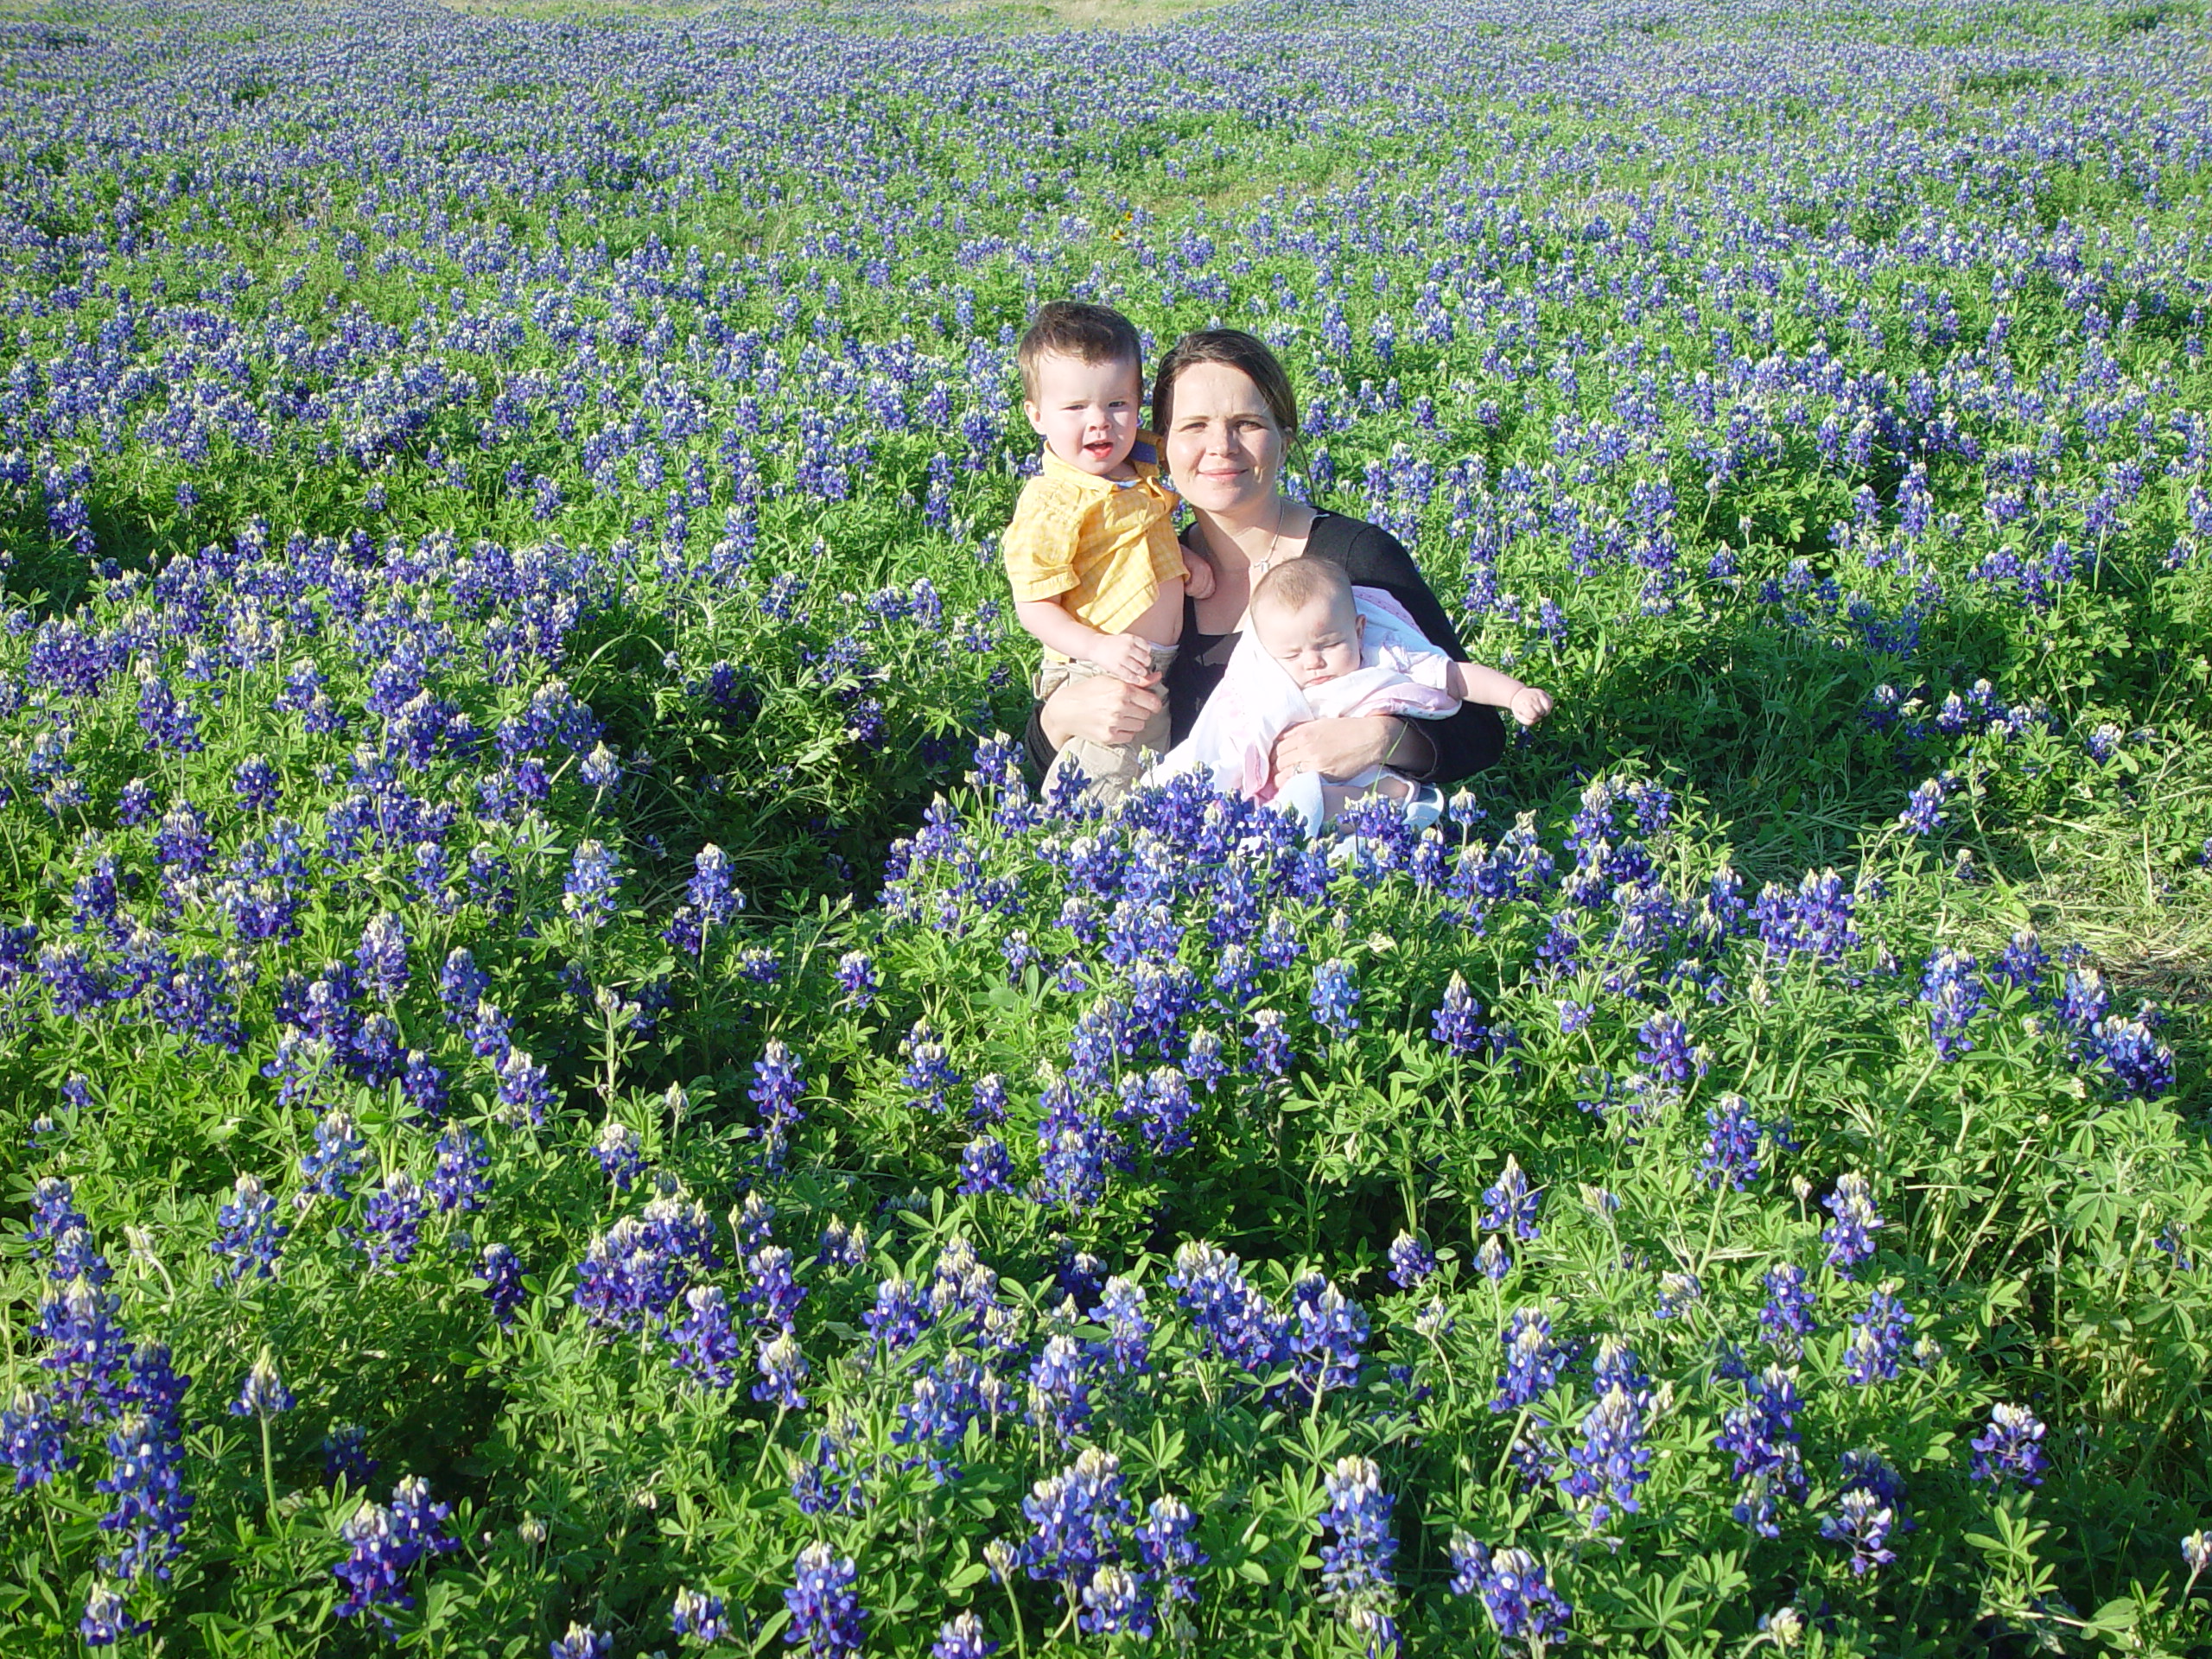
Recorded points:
(1337, 748)
(1100, 709)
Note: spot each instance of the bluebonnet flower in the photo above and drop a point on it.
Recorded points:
(1073, 1515)
(1850, 1235)
(425, 1086)
(1532, 1361)
(759, 964)
(778, 1085)
(616, 1149)
(2197, 1554)
(1787, 1318)
(2136, 1060)
(1332, 998)
(392, 1219)
(899, 1315)
(1203, 1062)
(1515, 1590)
(928, 1070)
(594, 878)
(1492, 1261)
(1114, 1603)
(1761, 1435)
(1234, 978)
(581, 1642)
(1612, 1458)
(2010, 1448)
(1862, 1520)
(1164, 1105)
(772, 1287)
(501, 1271)
(1411, 1261)
(1924, 812)
(782, 1368)
(825, 1611)
(524, 1093)
(1355, 1567)
(1511, 1203)
(1954, 994)
(962, 1637)
(346, 1457)
(841, 1247)
(247, 1237)
(699, 1617)
(458, 1179)
(336, 1159)
(1120, 1308)
(705, 1343)
(856, 977)
(1663, 1050)
(632, 1274)
(263, 1393)
(34, 1441)
(1872, 1354)
(1457, 1022)
(145, 1480)
(985, 1166)
(1268, 1045)
(461, 985)
(108, 1617)
(1059, 1389)
(1233, 1320)
(1327, 1333)
(987, 1100)
(1732, 1147)
(382, 956)
(1074, 1150)
(1169, 1556)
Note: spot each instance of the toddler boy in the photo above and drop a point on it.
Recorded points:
(1098, 573)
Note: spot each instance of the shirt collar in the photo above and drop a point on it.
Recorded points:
(1143, 456)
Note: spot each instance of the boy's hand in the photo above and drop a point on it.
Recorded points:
(1529, 706)
(1124, 655)
(1198, 578)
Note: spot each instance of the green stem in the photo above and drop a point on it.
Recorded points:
(268, 1468)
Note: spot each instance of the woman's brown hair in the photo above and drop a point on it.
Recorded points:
(1235, 349)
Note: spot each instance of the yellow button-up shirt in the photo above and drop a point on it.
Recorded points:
(1100, 546)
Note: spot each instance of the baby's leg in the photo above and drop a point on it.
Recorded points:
(1376, 783)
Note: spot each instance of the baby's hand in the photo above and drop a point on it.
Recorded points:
(1125, 657)
(1529, 706)
(1198, 582)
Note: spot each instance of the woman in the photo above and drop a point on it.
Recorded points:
(1226, 415)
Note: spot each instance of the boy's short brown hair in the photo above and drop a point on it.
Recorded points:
(1298, 583)
(1076, 328)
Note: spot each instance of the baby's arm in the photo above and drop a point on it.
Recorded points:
(1198, 578)
(1123, 655)
(1473, 683)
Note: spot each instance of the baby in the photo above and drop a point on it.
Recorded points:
(1098, 573)
(1315, 647)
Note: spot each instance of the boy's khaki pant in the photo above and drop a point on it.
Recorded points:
(1111, 768)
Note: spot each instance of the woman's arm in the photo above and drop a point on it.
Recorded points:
(1100, 709)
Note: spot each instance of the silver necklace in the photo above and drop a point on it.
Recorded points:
(1274, 539)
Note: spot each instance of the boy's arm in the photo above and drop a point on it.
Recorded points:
(1123, 655)
(1473, 683)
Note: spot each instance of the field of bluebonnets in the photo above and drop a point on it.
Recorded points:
(561, 1093)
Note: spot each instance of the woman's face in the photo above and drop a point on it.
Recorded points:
(1224, 449)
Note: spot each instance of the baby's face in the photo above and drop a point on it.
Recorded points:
(1315, 642)
(1086, 412)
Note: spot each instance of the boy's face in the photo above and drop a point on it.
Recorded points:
(1319, 641)
(1086, 412)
